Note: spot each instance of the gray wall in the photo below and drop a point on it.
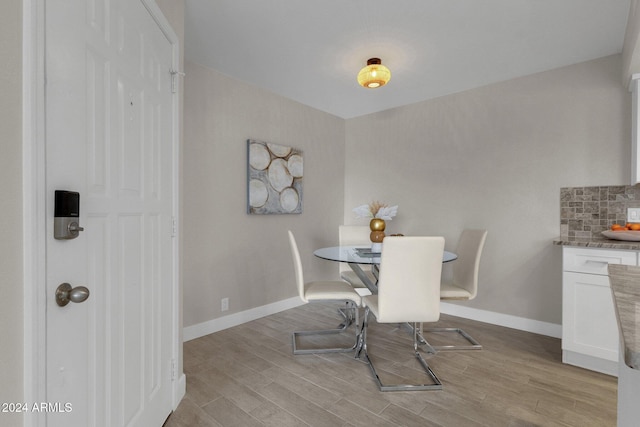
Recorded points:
(11, 314)
(496, 158)
(227, 253)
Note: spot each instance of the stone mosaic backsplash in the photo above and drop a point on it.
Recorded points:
(587, 211)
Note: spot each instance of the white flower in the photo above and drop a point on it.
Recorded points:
(387, 212)
(376, 210)
(363, 211)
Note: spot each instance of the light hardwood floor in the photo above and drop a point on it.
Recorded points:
(248, 376)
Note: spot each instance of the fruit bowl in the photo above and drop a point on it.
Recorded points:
(628, 235)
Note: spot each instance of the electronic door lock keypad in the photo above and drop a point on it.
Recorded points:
(66, 215)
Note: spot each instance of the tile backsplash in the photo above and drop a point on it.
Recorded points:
(587, 211)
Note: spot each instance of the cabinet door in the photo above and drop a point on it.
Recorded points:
(589, 324)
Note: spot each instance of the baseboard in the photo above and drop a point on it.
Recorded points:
(509, 321)
(585, 361)
(235, 319)
(529, 325)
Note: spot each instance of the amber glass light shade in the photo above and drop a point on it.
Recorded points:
(374, 74)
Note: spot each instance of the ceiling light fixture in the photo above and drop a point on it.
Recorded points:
(374, 74)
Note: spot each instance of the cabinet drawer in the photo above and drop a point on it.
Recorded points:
(595, 261)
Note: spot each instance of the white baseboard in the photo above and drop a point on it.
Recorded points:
(535, 326)
(609, 367)
(235, 319)
(509, 321)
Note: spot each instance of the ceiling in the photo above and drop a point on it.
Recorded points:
(311, 51)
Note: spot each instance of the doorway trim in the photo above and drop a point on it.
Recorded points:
(34, 207)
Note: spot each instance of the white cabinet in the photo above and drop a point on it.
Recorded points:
(590, 337)
(635, 128)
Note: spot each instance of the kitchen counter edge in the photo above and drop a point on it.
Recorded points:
(598, 243)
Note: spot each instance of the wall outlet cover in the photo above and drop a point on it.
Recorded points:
(633, 214)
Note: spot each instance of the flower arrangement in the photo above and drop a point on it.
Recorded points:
(376, 210)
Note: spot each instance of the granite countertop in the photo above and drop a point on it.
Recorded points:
(625, 285)
(597, 243)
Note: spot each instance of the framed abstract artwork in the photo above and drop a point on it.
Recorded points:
(274, 178)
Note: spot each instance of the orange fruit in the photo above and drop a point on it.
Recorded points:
(617, 227)
(635, 227)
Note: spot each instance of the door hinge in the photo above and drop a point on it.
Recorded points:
(174, 370)
(174, 226)
(174, 80)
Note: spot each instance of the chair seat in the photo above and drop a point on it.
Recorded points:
(354, 280)
(451, 291)
(331, 290)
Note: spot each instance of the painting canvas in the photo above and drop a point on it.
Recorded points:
(274, 178)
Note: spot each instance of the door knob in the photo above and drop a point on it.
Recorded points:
(66, 293)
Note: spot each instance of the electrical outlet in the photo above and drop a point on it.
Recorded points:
(224, 304)
(633, 214)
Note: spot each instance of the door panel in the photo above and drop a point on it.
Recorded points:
(109, 133)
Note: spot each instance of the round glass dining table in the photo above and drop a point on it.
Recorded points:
(355, 255)
(361, 254)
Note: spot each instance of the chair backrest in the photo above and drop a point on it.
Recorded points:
(297, 266)
(465, 268)
(409, 282)
(353, 235)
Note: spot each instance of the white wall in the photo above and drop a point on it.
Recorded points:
(228, 253)
(496, 158)
(11, 314)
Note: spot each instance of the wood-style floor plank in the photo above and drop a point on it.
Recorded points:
(248, 376)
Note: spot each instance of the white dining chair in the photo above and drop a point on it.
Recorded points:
(355, 235)
(464, 283)
(334, 290)
(408, 292)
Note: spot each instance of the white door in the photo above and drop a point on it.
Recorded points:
(109, 133)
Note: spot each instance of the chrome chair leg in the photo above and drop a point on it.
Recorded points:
(473, 344)
(421, 339)
(362, 347)
(362, 336)
(350, 314)
(347, 314)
